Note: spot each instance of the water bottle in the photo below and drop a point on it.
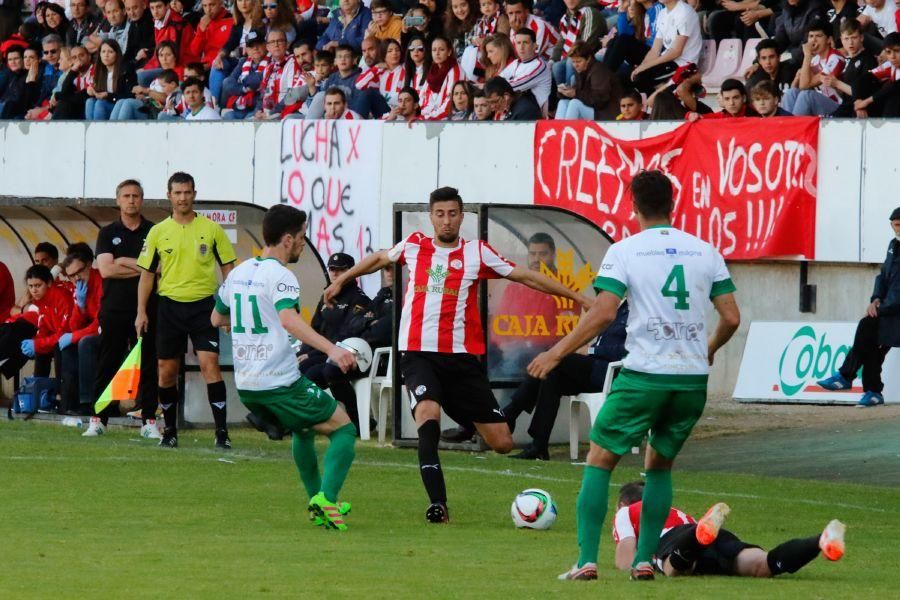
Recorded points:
(72, 422)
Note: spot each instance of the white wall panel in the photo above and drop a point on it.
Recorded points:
(488, 162)
(42, 159)
(218, 155)
(126, 150)
(881, 174)
(840, 178)
(267, 164)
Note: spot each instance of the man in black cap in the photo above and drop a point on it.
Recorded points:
(337, 321)
(877, 332)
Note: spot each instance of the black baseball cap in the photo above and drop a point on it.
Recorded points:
(894, 215)
(339, 260)
(255, 37)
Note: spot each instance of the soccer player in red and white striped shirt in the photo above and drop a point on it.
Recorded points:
(689, 547)
(440, 334)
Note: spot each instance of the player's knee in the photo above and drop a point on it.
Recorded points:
(504, 445)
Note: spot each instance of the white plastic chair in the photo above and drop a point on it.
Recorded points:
(365, 388)
(749, 57)
(707, 57)
(594, 401)
(728, 59)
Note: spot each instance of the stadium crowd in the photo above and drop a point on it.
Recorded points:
(459, 60)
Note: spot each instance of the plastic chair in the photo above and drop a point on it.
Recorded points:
(594, 401)
(365, 388)
(728, 60)
(749, 57)
(707, 57)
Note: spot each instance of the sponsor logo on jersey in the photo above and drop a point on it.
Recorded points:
(666, 330)
(438, 274)
(671, 251)
(284, 287)
(252, 352)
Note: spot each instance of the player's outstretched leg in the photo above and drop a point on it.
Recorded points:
(793, 555)
(689, 541)
(303, 449)
(709, 525)
(431, 472)
(655, 505)
(832, 540)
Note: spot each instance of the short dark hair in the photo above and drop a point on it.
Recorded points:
(39, 272)
(631, 492)
(765, 87)
(580, 49)
(180, 177)
(190, 82)
(168, 75)
(336, 91)
(346, 48)
(128, 182)
(634, 95)
(892, 40)
(498, 86)
(377, 4)
(281, 220)
(542, 238)
(820, 25)
(851, 25)
(15, 50)
(527, 32)
(445, 194)
(163, 1)
(525, 3)
(47, 248)
(766, 44)
(78, 251)
(411, 91)
(652, 194)
(324, 55)
(731, 85)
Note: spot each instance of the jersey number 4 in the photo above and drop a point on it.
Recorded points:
(238, 326)
(674, 287)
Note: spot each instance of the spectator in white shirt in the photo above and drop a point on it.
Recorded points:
(678, 43)
(529, 71)
(880, 15)
(192, 89)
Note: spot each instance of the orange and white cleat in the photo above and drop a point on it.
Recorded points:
(831, 541)
(708, 527)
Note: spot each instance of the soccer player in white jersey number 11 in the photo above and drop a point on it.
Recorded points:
(669, 277)
(440, 335)
(260, 301)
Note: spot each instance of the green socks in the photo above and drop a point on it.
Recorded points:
(303, 447)
(657, 501)
(591, 510)
(338, 458)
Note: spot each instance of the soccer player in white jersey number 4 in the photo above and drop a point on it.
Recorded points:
(440, 334)
(669, 277)
(260, 301)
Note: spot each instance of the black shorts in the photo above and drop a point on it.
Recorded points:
(717, 559)
(176, 321)
(458, 382)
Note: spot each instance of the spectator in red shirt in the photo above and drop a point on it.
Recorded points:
(48, 309)
(7, 292)
(732, 99)
(212, 32)
(168, 26)
(79, 346)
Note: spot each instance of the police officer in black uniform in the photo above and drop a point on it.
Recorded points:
(336, 322)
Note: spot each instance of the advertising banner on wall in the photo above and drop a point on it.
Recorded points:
(332, 170)
(748, 190)
(783, 360)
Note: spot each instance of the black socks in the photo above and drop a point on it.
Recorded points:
(430, 464)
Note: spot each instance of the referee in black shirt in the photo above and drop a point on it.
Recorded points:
(118, 246)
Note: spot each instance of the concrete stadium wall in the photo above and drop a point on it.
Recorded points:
(489, 162)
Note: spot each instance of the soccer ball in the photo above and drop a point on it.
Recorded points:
(361, 349)
(534, 509)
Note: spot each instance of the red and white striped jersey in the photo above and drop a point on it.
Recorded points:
(832, 64)
(370, 79)
(349, 115)
(438, 105)
(547, 36)
(628, 521)
(533, 75)
(440, 307)
(886, 72)
(391, 83)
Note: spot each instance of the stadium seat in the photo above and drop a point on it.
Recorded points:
(375, 386)
(749, 57)
(707, 57)
(594, 402)
(728, 59)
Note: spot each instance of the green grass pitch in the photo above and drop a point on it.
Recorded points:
(117, 517)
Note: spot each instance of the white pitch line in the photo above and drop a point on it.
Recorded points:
(483, 471)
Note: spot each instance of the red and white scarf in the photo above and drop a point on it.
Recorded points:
(370, 79)
(568, 28)
(486, 26)
(271, 83)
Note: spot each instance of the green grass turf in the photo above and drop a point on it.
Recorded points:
(118, 517)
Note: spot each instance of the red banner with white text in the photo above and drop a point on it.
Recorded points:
(747, 186)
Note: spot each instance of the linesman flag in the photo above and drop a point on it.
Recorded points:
(124, 384)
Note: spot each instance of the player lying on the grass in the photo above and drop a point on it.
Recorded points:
(260, 301)
(669, 277)
(440, 334)
(687, 547)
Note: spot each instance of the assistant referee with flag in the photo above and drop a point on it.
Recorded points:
(185, 248)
